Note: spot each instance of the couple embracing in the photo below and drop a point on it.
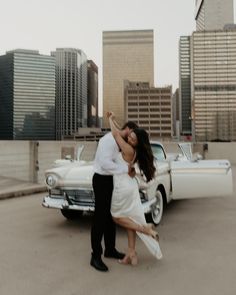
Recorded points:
(116, 191)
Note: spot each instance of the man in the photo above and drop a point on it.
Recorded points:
(104, 169)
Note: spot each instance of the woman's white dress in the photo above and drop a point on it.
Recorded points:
(126, 203)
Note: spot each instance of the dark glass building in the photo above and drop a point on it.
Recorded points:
(185, 85)
(71, 91)
(27, 95)
(92, 94)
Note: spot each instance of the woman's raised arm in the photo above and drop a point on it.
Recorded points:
(126, 148)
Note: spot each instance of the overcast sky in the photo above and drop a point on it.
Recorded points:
(47, 24)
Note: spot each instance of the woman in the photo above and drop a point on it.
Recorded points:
(126, 207)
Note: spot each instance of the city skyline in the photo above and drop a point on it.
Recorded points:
(50, 24)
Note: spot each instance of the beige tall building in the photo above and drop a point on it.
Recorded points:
(150, 108)
(127, 55)
(213, 72)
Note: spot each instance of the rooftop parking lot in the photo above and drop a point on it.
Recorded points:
(42, 253)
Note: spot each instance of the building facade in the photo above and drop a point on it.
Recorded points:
(27, 95)
(71, 91)
(150, 108)
(92, 94)
(176, 114)
(127, 55)
(213, 71)
(185, 85)
(213, 14)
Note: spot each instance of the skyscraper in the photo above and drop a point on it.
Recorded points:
(127, 55)
(185, 85)
(213, 14)
(92, 94)
(27, 95)
(201, 56)
(71, 91)
(213, 74)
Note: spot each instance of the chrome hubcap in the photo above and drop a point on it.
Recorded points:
(157, 208)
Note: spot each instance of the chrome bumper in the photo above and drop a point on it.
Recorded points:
(60, 203)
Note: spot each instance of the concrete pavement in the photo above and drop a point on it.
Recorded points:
(197, 240)
(43, 253)
(11, 188)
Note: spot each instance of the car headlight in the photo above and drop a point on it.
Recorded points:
(51, 180)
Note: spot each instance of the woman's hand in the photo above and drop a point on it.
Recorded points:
(131, 171)
(110, 115)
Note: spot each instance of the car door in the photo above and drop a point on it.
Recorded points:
(201, 178)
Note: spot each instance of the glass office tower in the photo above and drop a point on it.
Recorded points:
(27, 95)
(185, 85)
(71, 91)
(92, 94)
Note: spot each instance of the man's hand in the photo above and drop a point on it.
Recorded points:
(131, 171)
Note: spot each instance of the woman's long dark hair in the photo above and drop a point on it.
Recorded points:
(144, 155)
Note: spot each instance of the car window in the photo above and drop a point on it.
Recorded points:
(158, 152)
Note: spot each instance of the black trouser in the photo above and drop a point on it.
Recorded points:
(103, 224)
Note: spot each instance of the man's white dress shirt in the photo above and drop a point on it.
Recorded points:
(105, 158)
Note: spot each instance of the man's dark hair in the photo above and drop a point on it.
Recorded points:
(130, 125)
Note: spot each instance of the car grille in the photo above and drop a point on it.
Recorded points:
(84, 197)
(80, 197)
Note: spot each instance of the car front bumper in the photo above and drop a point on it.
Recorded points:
(62, 202)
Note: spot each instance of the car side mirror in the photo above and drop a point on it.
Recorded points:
(197, 157)
(178, 157)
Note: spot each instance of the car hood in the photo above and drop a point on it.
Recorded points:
(73, 174)
(79, 174)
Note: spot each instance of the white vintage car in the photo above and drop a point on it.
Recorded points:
(177, 177)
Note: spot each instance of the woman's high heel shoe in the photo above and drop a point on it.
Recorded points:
(134, 259)
(155, 236)
(148, 229)
(131, 258)
(152, 232)
(125, 260)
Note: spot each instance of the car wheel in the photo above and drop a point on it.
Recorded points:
(157, 208)
(71, 214)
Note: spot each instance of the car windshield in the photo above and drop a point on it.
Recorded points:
(158, 152)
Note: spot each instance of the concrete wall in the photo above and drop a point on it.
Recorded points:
(28, 160)
(221, 150)
(15, 159)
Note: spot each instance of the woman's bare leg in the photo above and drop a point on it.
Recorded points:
(131, 256)
(131, 239)
(130, 224)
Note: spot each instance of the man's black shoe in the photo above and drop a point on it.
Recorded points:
(98, 264)
(114, 254)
